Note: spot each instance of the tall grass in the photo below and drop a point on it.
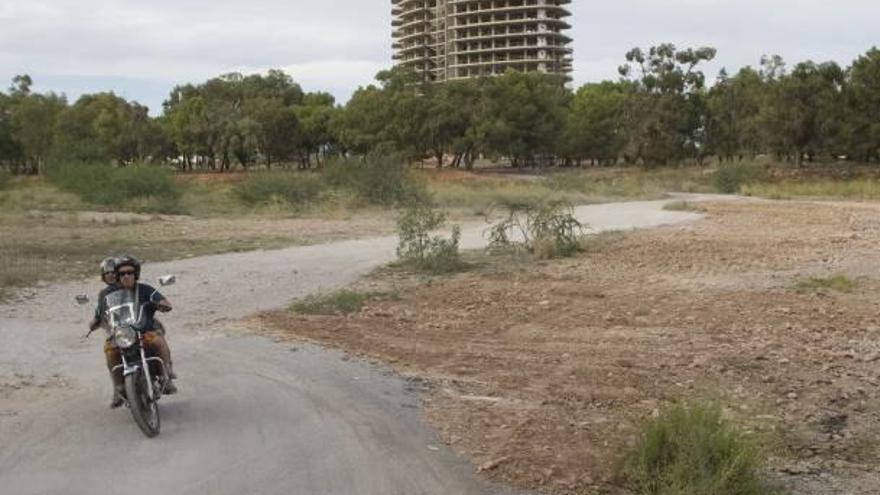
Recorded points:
(139, 188)
(864, 189)
(731, 178)
(378, 180)
(5, 179)
(693, 450)
(633, 183)
(294, 189)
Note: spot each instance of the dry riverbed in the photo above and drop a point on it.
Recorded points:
(542, 372)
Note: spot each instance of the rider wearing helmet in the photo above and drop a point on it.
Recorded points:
(108, 276)
(108, 270)
(127, 273)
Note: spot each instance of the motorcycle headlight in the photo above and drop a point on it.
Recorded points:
(124, 336)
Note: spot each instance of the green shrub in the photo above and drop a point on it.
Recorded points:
(339, 302)
(840, 283)
(140, 188)
(293, 188)
(684, 206)
(693, 450)
(418, 248)
(381, 180)
(5, 179)
(730, 178)
(547, 229)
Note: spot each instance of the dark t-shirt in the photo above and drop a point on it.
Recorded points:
(99, 315)
(143, 294)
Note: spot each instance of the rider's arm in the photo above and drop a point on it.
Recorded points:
(163, 306)
(99, 312)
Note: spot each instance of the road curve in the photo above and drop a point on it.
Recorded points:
(252, 416)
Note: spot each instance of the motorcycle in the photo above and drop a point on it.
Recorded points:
(145, 376)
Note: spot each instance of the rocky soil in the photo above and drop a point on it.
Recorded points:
(542, 372)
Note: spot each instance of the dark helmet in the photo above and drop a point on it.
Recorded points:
(129, 261)
(108, 265)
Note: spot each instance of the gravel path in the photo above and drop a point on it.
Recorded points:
(252, 416)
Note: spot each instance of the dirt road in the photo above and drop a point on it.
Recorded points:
(252, 416)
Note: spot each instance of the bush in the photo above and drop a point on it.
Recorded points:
(684, 206)
(380, 180)
(294, 189)
(730, 178)
(140, 188)
(548, 230)
(340, 302)
(418, 248)
(692, 450)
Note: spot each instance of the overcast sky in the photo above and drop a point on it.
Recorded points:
(141, 49)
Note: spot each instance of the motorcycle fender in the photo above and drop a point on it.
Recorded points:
(131, 370)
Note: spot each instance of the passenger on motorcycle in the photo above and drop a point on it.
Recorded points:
(108, 276)
(127, 273)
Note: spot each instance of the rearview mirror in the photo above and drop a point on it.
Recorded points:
(82, 299)
(166, 280)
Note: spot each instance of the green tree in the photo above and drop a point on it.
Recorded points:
(803, 111)
(33, 118)
(103, 127)
(10, 150)
(863, 102)
(234, 118)
(525, 117)
(663, 113)
(596, 129)
(734, 106)
(315, 115)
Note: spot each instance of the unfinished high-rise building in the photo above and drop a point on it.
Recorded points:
(446, 40)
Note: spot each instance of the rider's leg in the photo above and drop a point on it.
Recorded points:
(159, 347)
(160, 329)
(111, 354)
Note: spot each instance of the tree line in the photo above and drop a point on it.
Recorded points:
(660, 111)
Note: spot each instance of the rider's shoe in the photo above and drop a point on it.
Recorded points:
(116, 401)
(170, 388)
(171, 374)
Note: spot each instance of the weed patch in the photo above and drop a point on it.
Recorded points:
(684, 206)
(418, 248)
(547, 230)
(693, 450)
(339, 302)
(840, 283)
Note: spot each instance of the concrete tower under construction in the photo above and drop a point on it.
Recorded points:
(446, 40)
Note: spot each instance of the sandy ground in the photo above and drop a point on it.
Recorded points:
(252, 416)
(542, 372)
(42, 247)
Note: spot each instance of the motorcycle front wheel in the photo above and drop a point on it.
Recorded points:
(144, 410)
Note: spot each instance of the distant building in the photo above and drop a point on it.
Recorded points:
(448, 40)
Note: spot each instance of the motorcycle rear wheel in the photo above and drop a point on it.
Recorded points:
(144, 410)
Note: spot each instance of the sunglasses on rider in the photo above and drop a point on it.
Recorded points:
(122, 274)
